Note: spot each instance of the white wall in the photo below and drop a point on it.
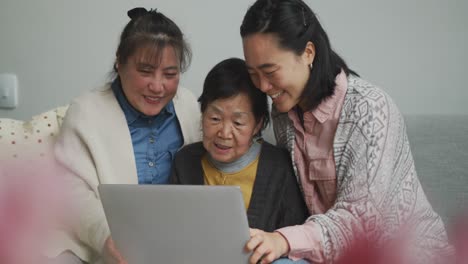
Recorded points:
(414, 49)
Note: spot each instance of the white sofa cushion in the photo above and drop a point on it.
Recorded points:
(30, 139)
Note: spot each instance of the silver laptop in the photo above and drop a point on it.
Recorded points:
(177, 223)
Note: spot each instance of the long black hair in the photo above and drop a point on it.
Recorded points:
(295, 24)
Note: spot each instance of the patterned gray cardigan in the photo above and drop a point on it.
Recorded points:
(378, 190)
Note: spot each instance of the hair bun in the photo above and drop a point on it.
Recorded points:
(136, 12)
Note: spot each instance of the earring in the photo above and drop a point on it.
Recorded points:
(311, 65)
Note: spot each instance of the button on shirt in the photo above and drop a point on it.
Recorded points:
(155, 139)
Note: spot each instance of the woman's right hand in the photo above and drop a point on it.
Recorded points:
(111, 255)
(266, 247)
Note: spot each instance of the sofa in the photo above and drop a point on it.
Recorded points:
(439, 145)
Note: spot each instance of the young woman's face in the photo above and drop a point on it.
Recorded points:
(279, 73)
(229, 127)
(148, 83)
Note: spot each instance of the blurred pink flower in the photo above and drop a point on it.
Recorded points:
(460, 237)
(32, 202)
(405, 248)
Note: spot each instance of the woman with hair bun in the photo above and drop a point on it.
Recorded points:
(129, 130)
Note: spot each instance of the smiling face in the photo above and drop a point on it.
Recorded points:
(150, 82)
(229, 127)
(279, 73)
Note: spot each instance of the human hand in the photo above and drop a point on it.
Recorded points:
(111, 253)
(266, 247)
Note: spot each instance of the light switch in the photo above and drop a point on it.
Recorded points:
(8, 90)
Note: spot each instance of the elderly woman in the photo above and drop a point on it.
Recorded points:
(234, 113)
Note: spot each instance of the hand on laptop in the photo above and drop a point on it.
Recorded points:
(266, 246)
(111, 254)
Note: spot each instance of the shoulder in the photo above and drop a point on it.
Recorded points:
(93, 106)
(360, 90)
(369, 116)
(270, 152)
(191, 151)
(365, 96)
(89, 102)
(186, 105)
(366, 102)
(184, 95)
(96, 95)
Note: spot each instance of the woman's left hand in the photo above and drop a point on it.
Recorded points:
(266, 246)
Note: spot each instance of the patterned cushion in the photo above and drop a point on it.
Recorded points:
(30, 139)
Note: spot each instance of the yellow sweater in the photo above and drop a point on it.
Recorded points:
(244, 178)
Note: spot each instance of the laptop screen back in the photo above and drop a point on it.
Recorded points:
(177, 223)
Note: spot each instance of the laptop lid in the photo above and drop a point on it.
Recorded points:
(177, 223)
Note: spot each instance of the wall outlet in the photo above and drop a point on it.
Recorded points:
(8, 90)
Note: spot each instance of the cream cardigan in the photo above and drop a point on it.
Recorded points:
(95, 147)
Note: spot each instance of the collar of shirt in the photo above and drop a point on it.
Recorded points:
(325, 109)
(131, 114)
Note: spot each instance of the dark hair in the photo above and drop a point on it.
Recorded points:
(230, 78)
(152, 28)
(294, 24)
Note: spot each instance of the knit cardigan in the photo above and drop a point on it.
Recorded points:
(276, 200)
(378, 191)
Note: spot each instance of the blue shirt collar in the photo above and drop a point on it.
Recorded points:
(131, 114)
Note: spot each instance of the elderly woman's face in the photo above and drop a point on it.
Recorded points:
(229, 127)
(150, 83)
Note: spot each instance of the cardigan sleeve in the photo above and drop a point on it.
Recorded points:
(72, 151)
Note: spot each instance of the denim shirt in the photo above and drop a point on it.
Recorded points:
(155, 139)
